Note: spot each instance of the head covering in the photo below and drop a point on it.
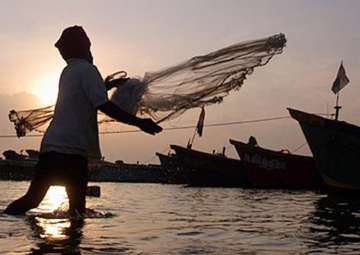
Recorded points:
(74, 43)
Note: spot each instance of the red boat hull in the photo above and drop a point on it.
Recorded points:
(274, 169)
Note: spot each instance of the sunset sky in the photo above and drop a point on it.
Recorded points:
(143, 35)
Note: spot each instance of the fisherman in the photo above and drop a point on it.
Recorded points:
(72, 136)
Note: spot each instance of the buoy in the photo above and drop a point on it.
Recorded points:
(93, 191)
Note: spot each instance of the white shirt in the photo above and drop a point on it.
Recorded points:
(74, 128)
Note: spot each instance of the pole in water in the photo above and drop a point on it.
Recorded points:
(337, 107)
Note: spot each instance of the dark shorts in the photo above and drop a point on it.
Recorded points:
(62, 169)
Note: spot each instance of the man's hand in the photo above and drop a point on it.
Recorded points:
(149, 126)
(146, 125)
(116, 79)
(115, 83)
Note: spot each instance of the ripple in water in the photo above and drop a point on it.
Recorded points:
(171, 219)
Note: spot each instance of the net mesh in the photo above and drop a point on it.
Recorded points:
(198, 82)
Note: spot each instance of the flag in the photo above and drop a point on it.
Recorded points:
(200, 124)
(341, 80)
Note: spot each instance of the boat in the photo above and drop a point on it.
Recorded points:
(21, 167)
(172, 171)
(277, 169)
(212, 170)
(336, 148)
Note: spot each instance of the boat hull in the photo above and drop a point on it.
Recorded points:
(205, 169)
(336, 149)
(173, 173)
(274, 169)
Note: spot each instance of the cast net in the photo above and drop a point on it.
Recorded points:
(168, 93)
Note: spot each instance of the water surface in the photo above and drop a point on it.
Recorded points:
(172, 219)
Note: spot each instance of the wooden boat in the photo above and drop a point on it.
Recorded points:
(166, 161)
(205, 169)
(336, 149)
(172, 171)
(277, 169)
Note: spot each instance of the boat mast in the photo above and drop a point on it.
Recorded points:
(337, 106)
(340, 82)
(199, 128)
(191, 141)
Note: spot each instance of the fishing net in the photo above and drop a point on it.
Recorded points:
(29, 120)
(164, 95)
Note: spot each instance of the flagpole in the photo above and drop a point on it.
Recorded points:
(340, 82)
(337, 106)
(190, 143)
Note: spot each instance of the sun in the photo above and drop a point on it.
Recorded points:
(46, 88)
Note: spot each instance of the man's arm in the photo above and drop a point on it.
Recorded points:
(113, 111)
(109, 84)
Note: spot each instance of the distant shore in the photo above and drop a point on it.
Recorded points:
(100, 171)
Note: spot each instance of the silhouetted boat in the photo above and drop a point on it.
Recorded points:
(205, 169)
(336, 149)
(277, 169)
(165, 160)
(172, 171)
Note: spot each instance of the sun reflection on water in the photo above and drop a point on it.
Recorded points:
(53, 229)
(52, 221)
(56, 198)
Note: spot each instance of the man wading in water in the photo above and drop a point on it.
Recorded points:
(72, 135)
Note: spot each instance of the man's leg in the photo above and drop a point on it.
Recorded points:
(37, 189)
(31, 199)
(77, 198)
(77, 184)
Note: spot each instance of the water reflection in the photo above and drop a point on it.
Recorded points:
(336, 223)
(53, 229)
(55, 199)
(56, 235)
(169, 219)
